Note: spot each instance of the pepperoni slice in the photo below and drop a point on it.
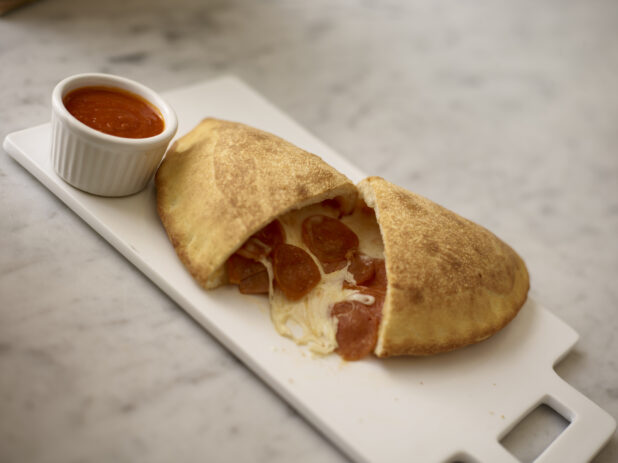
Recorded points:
(255, 284)
(357, 323)
(362, 267)
(264, 241)
(330, 267)
(328, 239)
(253, 249)
(239, 268)
(377, 286)
(367, 210)
(272, 234)
(379, 280)
(357, 329)
(295, 271)
(335, 204)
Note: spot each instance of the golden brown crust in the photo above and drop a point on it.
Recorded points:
(223, 181)
(451, 282)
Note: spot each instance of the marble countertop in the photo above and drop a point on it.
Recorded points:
(506, 112)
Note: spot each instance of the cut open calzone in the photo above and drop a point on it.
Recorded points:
(355, 270)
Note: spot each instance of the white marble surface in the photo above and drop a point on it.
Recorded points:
(506, 112)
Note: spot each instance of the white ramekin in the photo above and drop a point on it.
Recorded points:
(99, 163)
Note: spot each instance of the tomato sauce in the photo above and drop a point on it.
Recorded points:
(114, 111)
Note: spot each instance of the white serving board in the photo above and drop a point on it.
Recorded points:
(455, 406)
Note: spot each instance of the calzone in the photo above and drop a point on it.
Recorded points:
(357, 270)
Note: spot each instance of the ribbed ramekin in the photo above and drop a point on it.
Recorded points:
(99, 163)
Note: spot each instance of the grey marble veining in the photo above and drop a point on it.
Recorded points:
(506, 112)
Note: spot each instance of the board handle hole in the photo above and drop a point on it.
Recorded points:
(461, 457)
(534, 433)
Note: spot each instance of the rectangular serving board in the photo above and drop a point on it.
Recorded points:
(451, 407)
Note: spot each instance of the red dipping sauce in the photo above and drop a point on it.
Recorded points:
(114, 111)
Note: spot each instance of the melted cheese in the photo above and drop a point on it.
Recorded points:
(308, 320)
(368, 231)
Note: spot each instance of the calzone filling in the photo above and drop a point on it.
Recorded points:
(325, 276)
